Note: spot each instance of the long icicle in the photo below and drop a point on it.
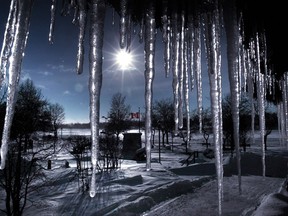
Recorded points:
(212, 40)
(82, 4)
(7, 42)
(150, 37)
(261, 103)
(123, 24)
(197, 65)
(186, 91)
(97, 18)
(232, 32)
(175, 83)
(22, 24)
(52, 21)
(166, 37)
(181, 71)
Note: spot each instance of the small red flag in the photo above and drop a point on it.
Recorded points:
(135, 115)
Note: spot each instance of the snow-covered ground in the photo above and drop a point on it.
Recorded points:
(170, 187)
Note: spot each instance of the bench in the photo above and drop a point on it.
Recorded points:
(205, 144)
(191, 158)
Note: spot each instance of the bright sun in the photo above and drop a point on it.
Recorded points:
(124, 60)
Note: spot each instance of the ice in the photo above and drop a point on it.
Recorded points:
(261, 104)
(196, 40)
(123, 24)
(52, 21)
(177, 54)
(212, 44)
(150, 36)
(97, 18)
(21, 21)
(175, 84)
(82, 4)
(186, 90)
(233, 34)
(7, 42)
(166, 36)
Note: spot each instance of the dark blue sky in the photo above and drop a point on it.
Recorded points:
(52, 67)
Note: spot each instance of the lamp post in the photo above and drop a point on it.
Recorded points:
(139, 119)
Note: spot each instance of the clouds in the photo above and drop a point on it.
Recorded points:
(61, 68)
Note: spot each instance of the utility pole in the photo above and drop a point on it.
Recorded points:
(139, 119)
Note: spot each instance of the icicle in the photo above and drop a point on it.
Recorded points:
(82, 26)
(123, 24)
(167, 51)
(166, 37)
(261, 104)
(97, 18)
(285, 108)
(279, 122)
(250, 83)
(113, 17)
(190, 56)
(218, 16)
(141, 31)
(75, 15)
(232, 32)
(129, 32)
(212, 40)
(175, 84)
(181, 72)
(150, 37)
(245, 65)
(197, 66)
(7, 42)
(270, 83)
(22, 23)
(186, 90)
(65, 7)
(52, 21)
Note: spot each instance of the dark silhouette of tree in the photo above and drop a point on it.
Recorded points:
(118, 116)
(206, 124)
(245, 122)
(57, 117)
(118, 122)
(163, 117)
(79, 148)
(110, 152)
(29, 113)
(271, 122)
(20, 173)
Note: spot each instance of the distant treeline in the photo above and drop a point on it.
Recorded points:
(80, 125)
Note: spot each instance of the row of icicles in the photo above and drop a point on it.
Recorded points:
(182, 36)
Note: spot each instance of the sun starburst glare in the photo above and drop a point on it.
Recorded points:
(124, 60)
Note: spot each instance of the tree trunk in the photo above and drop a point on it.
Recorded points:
(267, 132)
(17, 183)
(8, 180)
(167, 137)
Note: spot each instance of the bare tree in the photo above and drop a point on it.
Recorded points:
(245, 122)
(163, 117)
(79, 147)
(271, 122)
(118, 116)
(18, 178)
(57, 117)
(28, 115)
(206, 129)
(23, 167)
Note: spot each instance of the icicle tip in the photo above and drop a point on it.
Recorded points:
(92, 193)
